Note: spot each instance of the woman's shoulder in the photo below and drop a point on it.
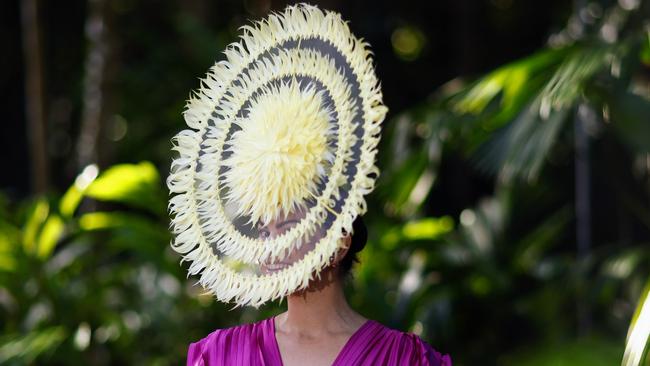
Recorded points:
(413, 347)
(224, 340)
(241, 331)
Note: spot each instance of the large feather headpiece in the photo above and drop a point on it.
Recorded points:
(285, 129)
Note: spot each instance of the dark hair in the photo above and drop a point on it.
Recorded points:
(358, 242)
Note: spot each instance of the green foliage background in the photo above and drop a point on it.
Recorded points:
(87, 275)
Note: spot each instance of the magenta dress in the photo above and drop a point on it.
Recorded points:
(255, 344)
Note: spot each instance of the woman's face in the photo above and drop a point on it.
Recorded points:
(278, 227)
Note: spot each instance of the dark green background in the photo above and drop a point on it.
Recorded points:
(510, 225)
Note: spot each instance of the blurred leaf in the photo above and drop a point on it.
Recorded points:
(568, 80)
(636, 347)
(115, 220)
(516, 83)
(582, 352)
(630, 116)
(622, 264)
(128, 231)
(530, 249)
(644, 53)
(73, 196)
(35, 220)
(9, 245)
(501, 279)
(52, 231)
(24, 349)
(70, 201)
(520, 148)
(400, 183)
(134, 184)
(427, 229)
(7, 260)
(430, 228)
(391, 238)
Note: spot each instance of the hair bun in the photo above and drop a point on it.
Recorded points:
(359, 235)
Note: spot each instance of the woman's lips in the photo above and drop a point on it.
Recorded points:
(275, 266)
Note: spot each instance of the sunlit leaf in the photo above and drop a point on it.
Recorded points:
(9, 245)
(568, 80)
(34, 223)
(515, 83)
(7, 260)
(639, 333)
(113, 220)
(73, 196)
(430, 228)
(24, 349)
(128, 231)
(134, 184)
(70, 201)
(519, 148)
(52, 231)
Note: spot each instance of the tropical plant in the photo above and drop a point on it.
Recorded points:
(89, 278)
(521, 257)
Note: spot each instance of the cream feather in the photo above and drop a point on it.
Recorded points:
(279, 154)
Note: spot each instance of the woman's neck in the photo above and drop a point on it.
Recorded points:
(322, 307)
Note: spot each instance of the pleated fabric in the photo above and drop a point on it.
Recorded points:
(255, 344)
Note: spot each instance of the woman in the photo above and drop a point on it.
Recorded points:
(318, 328)
(268, 190)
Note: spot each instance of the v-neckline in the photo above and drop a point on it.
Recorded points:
(343, 350)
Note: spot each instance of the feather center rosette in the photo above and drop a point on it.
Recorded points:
(279, 155)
